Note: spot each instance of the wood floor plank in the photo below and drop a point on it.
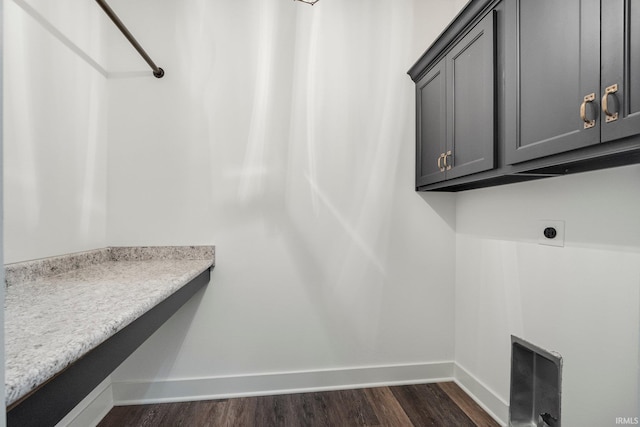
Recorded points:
(242, 411)
(275, 411)
(468, 405)
(151, 416)
(178, 414)
(429, 405)
(234, 412)
(387, 407)
(211, 413)
(130, 416)
(351, 406)
(315, 411)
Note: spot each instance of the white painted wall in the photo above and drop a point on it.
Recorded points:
(3, 417)
(582, 300)
(55, 128)
(283, 134)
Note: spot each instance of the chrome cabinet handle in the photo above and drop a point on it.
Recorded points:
(583, 110)
(610, 117)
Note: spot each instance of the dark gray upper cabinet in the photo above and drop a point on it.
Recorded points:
(431, 125)
(620, 83)
(514, 90)
(575, 83)
(456, 110)
(552, 66)
(471, 106)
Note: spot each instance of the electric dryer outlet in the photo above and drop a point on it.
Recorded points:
(551, 232)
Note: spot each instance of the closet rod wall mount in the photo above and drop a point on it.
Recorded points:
(157, 71)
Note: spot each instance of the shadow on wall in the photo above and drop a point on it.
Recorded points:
(304, 165)
(172, 336)
(444, 204)
(346, 175)
(55, 133)
(51, 28)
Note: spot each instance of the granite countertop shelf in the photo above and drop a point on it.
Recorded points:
(59, 309)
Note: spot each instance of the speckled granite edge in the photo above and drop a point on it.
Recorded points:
(58, 309)
(146, 253)
(31, 271)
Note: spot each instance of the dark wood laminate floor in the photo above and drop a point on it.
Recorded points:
(438, 405)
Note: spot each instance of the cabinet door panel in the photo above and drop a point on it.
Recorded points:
(471, 106)
(431, 125)
(621, 67)
(552, 65)
(633, 52)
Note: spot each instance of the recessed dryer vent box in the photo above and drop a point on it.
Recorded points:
(536, 377)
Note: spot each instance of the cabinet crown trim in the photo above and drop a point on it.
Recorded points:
(471, 11)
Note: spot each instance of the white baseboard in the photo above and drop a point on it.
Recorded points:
(99, 402)
(91, 409)
(143, 392)
(488, 400)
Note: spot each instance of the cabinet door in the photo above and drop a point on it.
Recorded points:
(620, 69)
(471, 101)
(431, 125)
(553, 62)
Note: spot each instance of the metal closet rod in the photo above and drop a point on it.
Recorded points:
(157, 71)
